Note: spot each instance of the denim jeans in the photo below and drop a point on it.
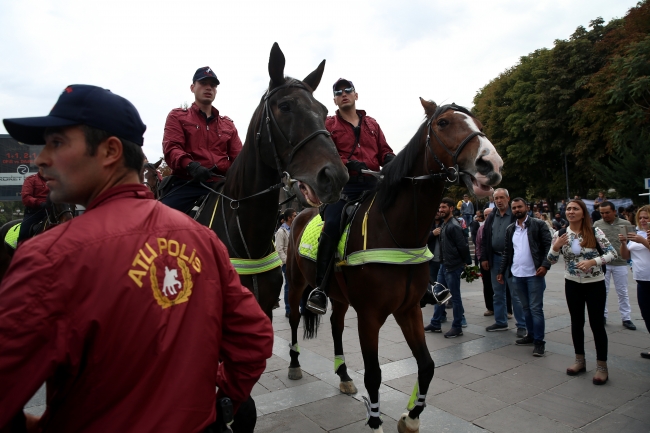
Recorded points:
(450, 280)
(499, 301)
(531, 295)
(287, 309)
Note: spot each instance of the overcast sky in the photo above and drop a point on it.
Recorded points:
(147, 51)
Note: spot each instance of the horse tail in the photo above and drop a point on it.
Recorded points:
(310, 321)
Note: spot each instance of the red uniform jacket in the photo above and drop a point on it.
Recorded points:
(34, 191)
(372, 147)
(189, 136)
(127, 312)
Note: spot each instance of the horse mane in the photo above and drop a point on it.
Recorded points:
(400, 167)
(404, 161)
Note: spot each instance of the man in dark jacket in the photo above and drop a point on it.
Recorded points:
(492, 249)
(198, 143)
(455, 256)
(525, 265)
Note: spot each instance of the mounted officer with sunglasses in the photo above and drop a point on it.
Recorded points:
(362, 146)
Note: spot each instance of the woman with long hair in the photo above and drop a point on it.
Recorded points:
(637, 247)
(585, 250)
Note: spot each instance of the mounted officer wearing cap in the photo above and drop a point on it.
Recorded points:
(81, 104)
(203, 73)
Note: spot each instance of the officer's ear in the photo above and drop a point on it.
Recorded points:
(111, 151)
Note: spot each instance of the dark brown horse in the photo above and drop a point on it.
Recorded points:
(151, 177)
(286, 145)
(449, 146)
(55, 214)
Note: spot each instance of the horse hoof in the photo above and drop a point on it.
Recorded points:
(407, 424)
(348, 387)
(295, 373)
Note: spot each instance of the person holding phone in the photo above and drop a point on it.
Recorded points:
(636, 246)
(585, 250)
(611, 225)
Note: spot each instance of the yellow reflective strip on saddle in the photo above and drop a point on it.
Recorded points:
(308, 247)
(391, 256)
(256, 266)
(11, 238)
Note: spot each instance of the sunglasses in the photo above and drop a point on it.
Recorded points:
(340, 92)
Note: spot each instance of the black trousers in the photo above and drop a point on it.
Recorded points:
(488, 292)
(31, 217)
(594, 296)
(643, 296)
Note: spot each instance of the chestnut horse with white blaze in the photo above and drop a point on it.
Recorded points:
(398, 215)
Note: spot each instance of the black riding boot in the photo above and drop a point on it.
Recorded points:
(317, 302)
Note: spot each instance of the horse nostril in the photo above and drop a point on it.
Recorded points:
(325, 179)
(484, 167)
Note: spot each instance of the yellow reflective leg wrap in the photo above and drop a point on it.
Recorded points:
(294, 347)
(416, 399)
(339, 360)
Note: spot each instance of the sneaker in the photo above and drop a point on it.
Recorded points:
(454, 332)
(526, 341)
(463, 322)
(645, 355)
(443, 319)
(509, 316)
(629, 325)
(317, 302)
(489, 313)
(521, 332)
(496, 327)
(539, 349)
(432, 328)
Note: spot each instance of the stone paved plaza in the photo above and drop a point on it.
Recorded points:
(482, 382)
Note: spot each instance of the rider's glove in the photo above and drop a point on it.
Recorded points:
(354, 165)
(388, 158)
(198, 172)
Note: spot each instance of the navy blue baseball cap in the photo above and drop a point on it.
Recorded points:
(203, 73)
(342, 80)
(81, 104)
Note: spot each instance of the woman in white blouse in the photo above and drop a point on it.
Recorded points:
(585, 250)
(638, 248)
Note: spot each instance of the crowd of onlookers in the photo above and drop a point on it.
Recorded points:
(516, 243)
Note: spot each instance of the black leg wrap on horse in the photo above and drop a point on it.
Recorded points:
(342, 372)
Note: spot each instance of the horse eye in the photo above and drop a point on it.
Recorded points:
(284, 106)
(442, 123)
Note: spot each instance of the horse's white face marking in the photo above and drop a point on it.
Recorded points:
(486, 151)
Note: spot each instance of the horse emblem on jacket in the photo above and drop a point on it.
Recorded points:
(170, 282)
(174, 291)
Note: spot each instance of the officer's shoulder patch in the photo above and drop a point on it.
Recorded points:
(227, 118)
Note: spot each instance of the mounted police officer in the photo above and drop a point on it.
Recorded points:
(362, 146)
(34, 195)
(199, 144)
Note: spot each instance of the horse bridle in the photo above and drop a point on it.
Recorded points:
(269, 118)
(452, 174)
(448, 174)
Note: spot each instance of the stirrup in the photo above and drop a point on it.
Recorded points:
(314, 308)
(442, 294)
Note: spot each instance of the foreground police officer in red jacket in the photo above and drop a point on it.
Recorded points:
(131, 313)
(199, 144)
(362, 146)
(34, 195)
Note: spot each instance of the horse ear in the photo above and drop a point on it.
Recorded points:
(276, 65)
(429, 107)
(313, 79)
(156, 165)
